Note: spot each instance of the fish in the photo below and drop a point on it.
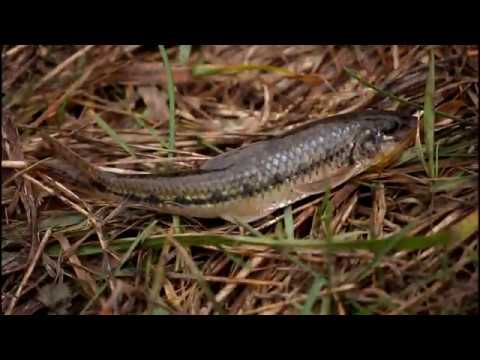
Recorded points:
(251, 182)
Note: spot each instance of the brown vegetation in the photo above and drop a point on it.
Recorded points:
(402, 240)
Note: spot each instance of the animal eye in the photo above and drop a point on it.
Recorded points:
(391, 127)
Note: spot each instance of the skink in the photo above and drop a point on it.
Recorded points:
(251, 182)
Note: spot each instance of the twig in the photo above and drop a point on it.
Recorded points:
(62, 66)
(29, 271)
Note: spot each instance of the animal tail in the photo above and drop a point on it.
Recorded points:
(72, 159)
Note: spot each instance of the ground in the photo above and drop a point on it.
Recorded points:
(398, 240)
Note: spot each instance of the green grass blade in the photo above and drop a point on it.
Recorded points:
(61, 221)
(312, 295)
(326, 212)
(288, 219)
(113, 134)
(419, 150)
(463, 229)
(247, 227)
(212, 69)
(140, 238)
(429, 116)
(389, 245)
(140, 121)
(326, 308)
(455, 183)
(184, 54)
(338, 243)
(171, 101)
(171, 117)
(160, 311)
(94, 298)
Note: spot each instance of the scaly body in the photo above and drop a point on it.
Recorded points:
(252, 182)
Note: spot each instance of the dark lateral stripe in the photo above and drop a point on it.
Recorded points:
(216, 196)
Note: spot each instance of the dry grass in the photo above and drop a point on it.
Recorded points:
(398, 241)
